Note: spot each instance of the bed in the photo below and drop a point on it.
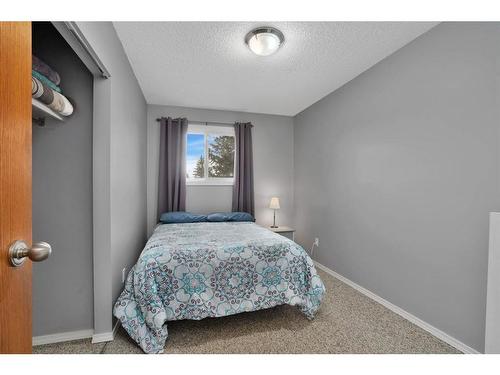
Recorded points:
(213, 269)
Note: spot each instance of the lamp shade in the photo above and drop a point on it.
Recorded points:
(275, 203)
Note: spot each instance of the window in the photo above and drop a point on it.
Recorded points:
(215, 143)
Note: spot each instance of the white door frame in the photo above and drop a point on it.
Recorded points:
(492, 331)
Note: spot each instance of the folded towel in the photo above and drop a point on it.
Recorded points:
(55, 101)
(42, 68)
(41, 91)
(62, 105)
(45, 80)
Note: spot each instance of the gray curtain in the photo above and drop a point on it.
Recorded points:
(243, 195)
(172, 176)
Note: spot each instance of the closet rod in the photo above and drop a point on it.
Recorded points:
(208, 122)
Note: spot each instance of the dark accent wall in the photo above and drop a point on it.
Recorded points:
(62, 196)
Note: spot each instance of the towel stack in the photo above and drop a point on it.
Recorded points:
(45, 88)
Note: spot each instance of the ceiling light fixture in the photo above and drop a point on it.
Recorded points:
(264, 41)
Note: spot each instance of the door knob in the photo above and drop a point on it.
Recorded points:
(19, 251)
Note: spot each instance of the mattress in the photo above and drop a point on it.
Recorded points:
(199, 270)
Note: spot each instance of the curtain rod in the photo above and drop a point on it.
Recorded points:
(207, 122)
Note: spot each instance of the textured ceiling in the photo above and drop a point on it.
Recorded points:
(207, 64)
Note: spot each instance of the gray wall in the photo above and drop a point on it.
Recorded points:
(62, 198)
(396, 172)
(120, 164)
(273, 164)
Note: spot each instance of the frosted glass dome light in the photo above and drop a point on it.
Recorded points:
(264, 41)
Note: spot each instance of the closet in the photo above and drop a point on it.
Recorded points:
(62, 292)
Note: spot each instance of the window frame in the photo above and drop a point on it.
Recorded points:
(207, 130)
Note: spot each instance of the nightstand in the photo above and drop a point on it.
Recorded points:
(284, 231)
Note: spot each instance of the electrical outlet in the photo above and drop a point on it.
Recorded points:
(124, 273)
(316, 241)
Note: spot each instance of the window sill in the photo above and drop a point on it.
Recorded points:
(229, 182)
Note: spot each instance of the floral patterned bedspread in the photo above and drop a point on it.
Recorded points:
(199, 270)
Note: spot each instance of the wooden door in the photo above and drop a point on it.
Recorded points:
(15, 184)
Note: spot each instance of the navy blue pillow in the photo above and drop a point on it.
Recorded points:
(217, 216)
(181, 217)
(240, 216)
(230, 216)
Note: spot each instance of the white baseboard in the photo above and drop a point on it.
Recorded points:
(76, 335)
(60, 337)
(405, 314)
(106, 336)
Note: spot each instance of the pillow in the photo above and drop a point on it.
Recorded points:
(217, 216)
(181, 217)
(230, 216)
(240, 216)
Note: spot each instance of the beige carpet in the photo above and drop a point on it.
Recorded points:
(347, 322)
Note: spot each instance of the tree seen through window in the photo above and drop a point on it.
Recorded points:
(219, 149)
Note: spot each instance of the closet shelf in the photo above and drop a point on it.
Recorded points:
(40, 112)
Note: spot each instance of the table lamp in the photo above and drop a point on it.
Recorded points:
(274, 205)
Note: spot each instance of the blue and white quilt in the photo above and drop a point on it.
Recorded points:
(199, 270)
